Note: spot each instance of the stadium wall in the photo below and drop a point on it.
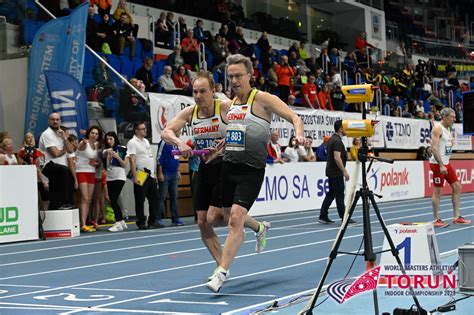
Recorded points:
(13, 90)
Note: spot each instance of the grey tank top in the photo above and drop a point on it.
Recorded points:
(247, 135)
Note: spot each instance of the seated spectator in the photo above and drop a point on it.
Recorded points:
(256, 71)
(103, 77)
(262, 85)
(104, 6)
(198, 31)
(122, 31)
(175, 60)
(239, 45)
(294, 88)
(183, 27)
(302, 51)
(338, 98)
(162, 33)
(182, 81)
(132, 106)
(310, 93)
(272, 77)
(190, 51)
(324, 98)
(306, 152)
(291, 151)
(167, 83)
(294, 48)
(322, 150)
(293, 59)
(274, 149)
(406, 112)
(122, 8)
(92, 28)
(291, 100)
(144, 74)
(105, 34)
(219, 51)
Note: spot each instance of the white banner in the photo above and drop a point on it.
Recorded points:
(163, 108)
(461, 142)
(18, 215)
(293, 187)
(402, 133)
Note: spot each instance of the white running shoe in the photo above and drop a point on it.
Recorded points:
(215, 271)
(261, 236)
(124, 225)
(117, 227)
(217, 281)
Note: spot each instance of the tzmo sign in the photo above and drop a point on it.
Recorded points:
(19, 203)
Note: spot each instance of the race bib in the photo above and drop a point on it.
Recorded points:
(448, 150)
(205, 143)
(235, 137)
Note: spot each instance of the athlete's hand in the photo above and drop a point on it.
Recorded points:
(443, 169)
(186, 150)
(213, 154)
(346, 175)
(301, 140)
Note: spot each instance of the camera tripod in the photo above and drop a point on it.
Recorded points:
(370, 256)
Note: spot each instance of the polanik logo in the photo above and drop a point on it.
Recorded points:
(389, 131)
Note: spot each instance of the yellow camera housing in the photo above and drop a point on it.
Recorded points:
(359, 93)
(359, 128)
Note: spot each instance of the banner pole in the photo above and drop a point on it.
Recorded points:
(99, 57)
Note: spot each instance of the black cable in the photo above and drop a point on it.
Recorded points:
(451, 302)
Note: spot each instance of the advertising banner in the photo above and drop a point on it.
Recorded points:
(464, 171)
(18, 215)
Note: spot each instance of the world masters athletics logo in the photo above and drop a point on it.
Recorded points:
(343, 290)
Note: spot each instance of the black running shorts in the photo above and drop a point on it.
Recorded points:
(207, 186)
(241, 184)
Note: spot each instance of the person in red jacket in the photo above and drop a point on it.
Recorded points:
(310, 91)
(324, 98)
(284, 72)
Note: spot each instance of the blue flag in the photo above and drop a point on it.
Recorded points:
(58, 45)
(68, 98)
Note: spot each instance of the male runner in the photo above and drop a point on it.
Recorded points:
(442, 144)
(245, 154)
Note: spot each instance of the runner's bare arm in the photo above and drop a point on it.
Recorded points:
(173, 129)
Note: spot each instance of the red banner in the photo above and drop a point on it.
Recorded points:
(464, 170)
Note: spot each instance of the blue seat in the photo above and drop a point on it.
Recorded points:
(138, 49)
(137, 64)
(115, 62)
(127, 67)
(89, 62)
(97, 18)
(209, 59)
(158, 69)
(257, 51)
(30, 27)
(284, 52)
(87, 81)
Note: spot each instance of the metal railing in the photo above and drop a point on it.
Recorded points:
(345, 77)
(386, 110)
(378, 100)
(202, 56)
(358, 78)
(451, 99)
(176, 34)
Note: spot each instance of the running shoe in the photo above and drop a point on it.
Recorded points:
(217, 281)
(117, 227)
(461, 220)
(440, 223)
(87, 229)
(215, 271)
(124, 225)
(261, 236)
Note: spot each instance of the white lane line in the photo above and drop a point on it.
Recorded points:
(185, 251)
(197, 264)
(228, 294)
(74, 256)
(221, 303)
(43, 307)
(233, 278)
(382, 207)
(311, 291)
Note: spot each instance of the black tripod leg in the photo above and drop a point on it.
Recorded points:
(308, 310)
(392, 247)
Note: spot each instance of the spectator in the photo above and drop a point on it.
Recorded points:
(294, 88)
(262, 85)
(291, 100)
(121, 8)
(122, 31)
(103, 77)
(302, 51)
(168, 177)
(198, 31)
(54, 144)
(338, 98)
(104, 6)
(274, 149)
(323, 60)
(354, 150)
(272, 77)
(105, 33)
(181, 80)
(284, 73)
(175, 60)
(401, 53)
(322, 150)
(230, 25)
(132, 106)
(239, 45)
(87, 161)
(183, 27)
(144, 74)
(142, 167)
(306, 152)
(459, 113)
(190, 48)
(167, 83)
(263, 42)
(361, 45)
(169, 21)
(324, 98)
(310, 93)
(420, 107)
(335, 78)
(9, 155)
(406, 112)
(291, 150)
(162, 33)
(115, 160)
(350, 63)
(257, 73)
